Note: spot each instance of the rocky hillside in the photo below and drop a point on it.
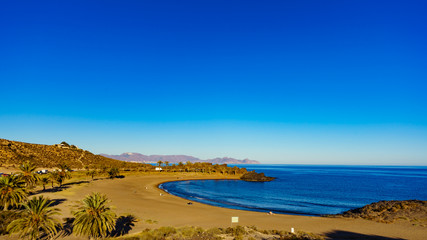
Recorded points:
(414, 211)
(13, 153)
(138, 157)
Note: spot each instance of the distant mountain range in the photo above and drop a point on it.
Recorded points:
(138, 157)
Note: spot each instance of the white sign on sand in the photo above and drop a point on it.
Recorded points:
(234, 219)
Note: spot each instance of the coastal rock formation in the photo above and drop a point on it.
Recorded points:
(414, 211)
(138, 157)
(252, 176)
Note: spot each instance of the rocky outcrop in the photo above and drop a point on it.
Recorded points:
(414, 211)
(252, 176)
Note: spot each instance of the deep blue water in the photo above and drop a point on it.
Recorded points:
(308, 189)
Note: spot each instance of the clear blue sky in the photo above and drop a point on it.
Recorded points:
(304, 82)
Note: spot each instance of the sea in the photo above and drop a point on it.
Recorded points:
(311, 190)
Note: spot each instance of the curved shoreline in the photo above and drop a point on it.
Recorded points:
(138, 194)
(229, 206)
(189, 179)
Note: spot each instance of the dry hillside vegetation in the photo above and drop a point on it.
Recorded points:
(414, 211)
(231, 233)
(13, 153)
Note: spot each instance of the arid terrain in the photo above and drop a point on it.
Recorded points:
(138, 195)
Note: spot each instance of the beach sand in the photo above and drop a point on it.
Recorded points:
(139, 195)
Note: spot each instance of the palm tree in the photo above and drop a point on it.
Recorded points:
(28, 174)
(209, 169)
(12, 191)
(166, 165)
(223, 169)
(94, 219)
(44, 181)
(235, 169)
(180, 166)
(36, 219)
(63, 173)
(53, 176)
(91, 173)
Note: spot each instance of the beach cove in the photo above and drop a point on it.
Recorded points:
(311, 190)
(139, 195)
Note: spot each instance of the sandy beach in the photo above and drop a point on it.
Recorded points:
(140, 196)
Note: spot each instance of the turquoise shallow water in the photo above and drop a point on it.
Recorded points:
(308, 189)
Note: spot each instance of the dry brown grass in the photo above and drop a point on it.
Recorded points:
(414, 211)
(231, 233)
(13, 153)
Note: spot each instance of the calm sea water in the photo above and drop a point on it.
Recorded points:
(308, 189)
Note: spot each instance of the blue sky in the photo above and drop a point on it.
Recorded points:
(303, 82)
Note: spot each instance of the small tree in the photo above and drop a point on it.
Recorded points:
(103, 170)
(91, 173)
(63, 173)
(44, 181)
(113, 172)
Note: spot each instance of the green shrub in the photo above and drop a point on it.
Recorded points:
(236, 231)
